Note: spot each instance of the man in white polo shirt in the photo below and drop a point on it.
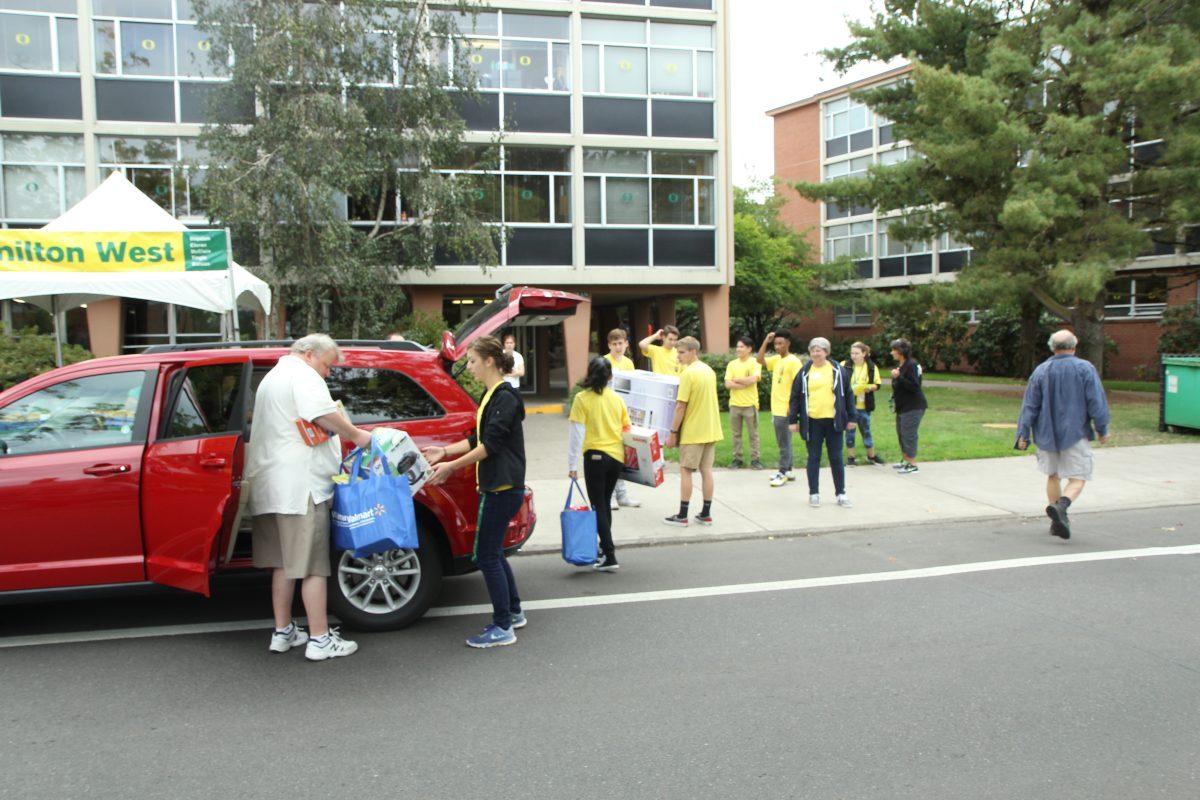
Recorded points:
(293, 453)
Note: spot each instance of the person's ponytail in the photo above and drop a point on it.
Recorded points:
(489, 347)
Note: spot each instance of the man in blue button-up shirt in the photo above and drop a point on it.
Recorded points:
(1064, 409)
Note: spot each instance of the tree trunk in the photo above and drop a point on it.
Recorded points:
(1087, 318)
(1028, 346)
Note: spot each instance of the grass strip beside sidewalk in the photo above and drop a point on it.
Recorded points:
(959, 424)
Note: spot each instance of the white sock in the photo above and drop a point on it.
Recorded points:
(320, 639)
(291, 626)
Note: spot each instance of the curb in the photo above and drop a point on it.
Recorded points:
(797, 533)
(555, 408)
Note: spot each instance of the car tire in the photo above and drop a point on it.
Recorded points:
(366, 608)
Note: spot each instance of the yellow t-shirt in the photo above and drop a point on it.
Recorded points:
(860, 379)
(624, 364)
(662, 360)
(702, 417)
(479, 429)
(820, 392)
(746, 397)
(604, 418)
(783, 372)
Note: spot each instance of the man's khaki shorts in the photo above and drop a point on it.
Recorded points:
(1074, 462)
(299, 543)
(697, 456)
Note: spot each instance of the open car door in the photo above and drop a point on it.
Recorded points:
(514, 306)
(192, 472)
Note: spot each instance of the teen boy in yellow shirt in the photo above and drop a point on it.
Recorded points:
(783, 366)
(618, 343)
(695, 429)
(664, 358)
(741, 378)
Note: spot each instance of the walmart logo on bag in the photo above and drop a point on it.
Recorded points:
(359, 520)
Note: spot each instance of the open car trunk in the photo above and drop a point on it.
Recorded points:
(514, 306)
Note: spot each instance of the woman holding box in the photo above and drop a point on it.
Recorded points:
(598, 420)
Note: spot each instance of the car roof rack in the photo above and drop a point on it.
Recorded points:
(381, 344)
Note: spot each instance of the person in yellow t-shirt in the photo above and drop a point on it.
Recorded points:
(664, 358)
(618, 346)
(864, 382)
(821, 410)
(741, 378)
(783, 366)
(695, 429)
(598, 420)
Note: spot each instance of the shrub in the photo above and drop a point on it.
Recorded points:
(994, 347)
(423, 328)
(1180, 330)
(29, 353)
(718, 362)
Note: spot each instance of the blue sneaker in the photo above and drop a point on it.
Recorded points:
(493, 637)
(518, 620)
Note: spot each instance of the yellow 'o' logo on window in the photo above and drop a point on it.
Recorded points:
(205, 44)
(22, 39)
(149, 44)
(31, 186)
(524, 61)
(476, 59)
(625, 66)
(672, 68)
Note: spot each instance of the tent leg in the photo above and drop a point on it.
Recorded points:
(57, 331)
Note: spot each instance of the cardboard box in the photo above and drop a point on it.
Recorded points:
(403, 455)
(650, 398)
(644, 462)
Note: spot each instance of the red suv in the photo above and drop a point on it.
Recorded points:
(129, 469)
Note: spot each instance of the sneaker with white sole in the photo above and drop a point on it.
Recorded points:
(814, 500)
(331, 645)
(606, 564)
(704, 519)
(518, 620)
(676, 520)
(908, 469)
(844, 501)
(791, 476)
(492, 636)
(628, 502)
(778, 479)
(292, 636)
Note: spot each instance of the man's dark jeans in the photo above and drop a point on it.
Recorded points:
(496, 510)
(821, 433)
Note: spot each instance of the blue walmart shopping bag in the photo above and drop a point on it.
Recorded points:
(578, 531)
(373, 513)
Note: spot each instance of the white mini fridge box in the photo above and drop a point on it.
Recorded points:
(650, 398)
(644, 463)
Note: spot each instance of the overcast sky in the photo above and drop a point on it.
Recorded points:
(776, 60)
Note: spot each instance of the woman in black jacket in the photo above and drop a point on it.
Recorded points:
(498, 450)
(910, 403)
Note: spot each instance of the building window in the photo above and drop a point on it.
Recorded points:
(1129, 298)
(852, 240)
(637, 57)
(523, 52)
(952, 254)
(157, 167)
(636, 187)
(42, 176)
(40, 42)
(848, 127)
(898, 258)
(851, 316)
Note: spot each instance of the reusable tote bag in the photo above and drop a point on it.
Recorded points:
(578, 531)
(373, 513)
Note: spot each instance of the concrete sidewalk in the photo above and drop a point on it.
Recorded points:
(745, 506)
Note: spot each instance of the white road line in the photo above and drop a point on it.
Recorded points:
(640, 597)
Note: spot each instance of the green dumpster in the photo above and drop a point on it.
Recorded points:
(1181, 392)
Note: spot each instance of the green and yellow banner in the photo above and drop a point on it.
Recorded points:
(116, 251)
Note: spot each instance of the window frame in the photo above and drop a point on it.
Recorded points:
(52, 18)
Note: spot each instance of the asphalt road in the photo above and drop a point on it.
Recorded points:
(1036, 679)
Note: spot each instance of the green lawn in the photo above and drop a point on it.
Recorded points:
(1110, 384)
(960, 424)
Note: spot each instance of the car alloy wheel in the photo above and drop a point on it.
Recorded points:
(379, 584)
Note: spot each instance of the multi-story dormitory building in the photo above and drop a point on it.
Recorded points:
(615, 176)
(831, 135)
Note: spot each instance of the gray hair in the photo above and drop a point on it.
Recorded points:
(316, 343)
(1062, 341)
(822, 343)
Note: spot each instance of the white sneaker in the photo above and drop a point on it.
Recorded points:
(334, 646)
(814, 500)
(778, 479)
(615, 506)
(629, 502)
(282, 642)
(844, 501)
(791, 476)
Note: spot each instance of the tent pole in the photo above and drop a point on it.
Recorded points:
(235, 334)
(57, 331)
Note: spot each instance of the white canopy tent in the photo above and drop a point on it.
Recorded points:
(117, 205)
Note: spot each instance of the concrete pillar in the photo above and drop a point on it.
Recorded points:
(541, 336)
(639, 320)
(666, 311)
(427, 299)
(714, 319)
(104, 327)
(607, 319)
(576, 330)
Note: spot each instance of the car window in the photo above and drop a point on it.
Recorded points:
(94, 411)
(380, 395)
(205, 401)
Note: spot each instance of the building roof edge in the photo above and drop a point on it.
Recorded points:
(845, 87)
